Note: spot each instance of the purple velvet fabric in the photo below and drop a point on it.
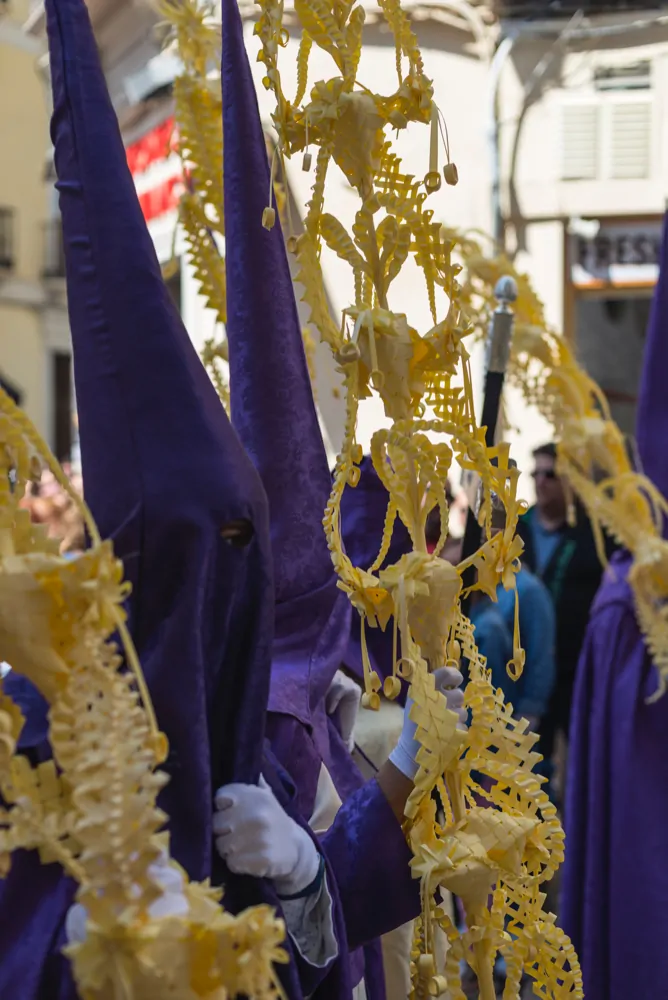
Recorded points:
(372, 903)
(364, 844)
(304, 751)
(615, 879)
(363, 512)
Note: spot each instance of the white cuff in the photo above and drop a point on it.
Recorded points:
(404, 762)
(310, 924)
(304, 872)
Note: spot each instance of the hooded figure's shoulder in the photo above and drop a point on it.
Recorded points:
(615, 588)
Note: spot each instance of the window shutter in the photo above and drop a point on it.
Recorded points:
(580, 142)
(630, 140)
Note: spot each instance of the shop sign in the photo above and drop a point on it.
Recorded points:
(619, 255)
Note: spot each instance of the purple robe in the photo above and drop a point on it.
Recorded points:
(615, 876)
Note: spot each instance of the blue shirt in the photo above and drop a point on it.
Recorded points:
(493, 639)
(531, 693)
(545, 542)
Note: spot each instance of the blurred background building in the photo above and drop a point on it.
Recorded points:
(557, 120)
(34, 353)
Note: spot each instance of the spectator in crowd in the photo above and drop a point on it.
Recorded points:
(494, 623)
(493, 636)
(564, 557)
(532, 692)
(50, 505)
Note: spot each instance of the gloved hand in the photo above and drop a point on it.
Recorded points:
(449, 681)
(343, 700)
(172, 902)
(255, 836)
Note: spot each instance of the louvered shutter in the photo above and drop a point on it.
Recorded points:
(630, 140)
(580, 142)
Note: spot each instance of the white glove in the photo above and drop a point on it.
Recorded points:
(343, 699)
(255, 836)
(448, 680)
(172, 902)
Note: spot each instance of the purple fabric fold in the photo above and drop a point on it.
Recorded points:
(615, 884)
(272, 403)
(365, 843)
(34, 898)
(363, 512)
(271, 396)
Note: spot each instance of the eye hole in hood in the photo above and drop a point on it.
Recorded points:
(239, 533)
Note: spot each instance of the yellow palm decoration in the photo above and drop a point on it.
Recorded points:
(199, 143)
(496, 858)
(501, 855)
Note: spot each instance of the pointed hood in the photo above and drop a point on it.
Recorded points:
(363, 511)
(272, 401)
(652, 420)
(163, 470)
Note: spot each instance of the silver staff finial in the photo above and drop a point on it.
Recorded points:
(501, 327)
(505, 291)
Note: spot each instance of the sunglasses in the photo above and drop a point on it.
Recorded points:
(544, 474)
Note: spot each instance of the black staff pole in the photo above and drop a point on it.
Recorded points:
(498, 351)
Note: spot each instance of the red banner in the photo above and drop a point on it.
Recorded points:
(151, 148)
(161, 199)
(156, 147)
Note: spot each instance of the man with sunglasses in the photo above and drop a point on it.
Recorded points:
(564, 557)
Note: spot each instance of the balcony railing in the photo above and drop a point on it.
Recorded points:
(7, 249)
(54, 253)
